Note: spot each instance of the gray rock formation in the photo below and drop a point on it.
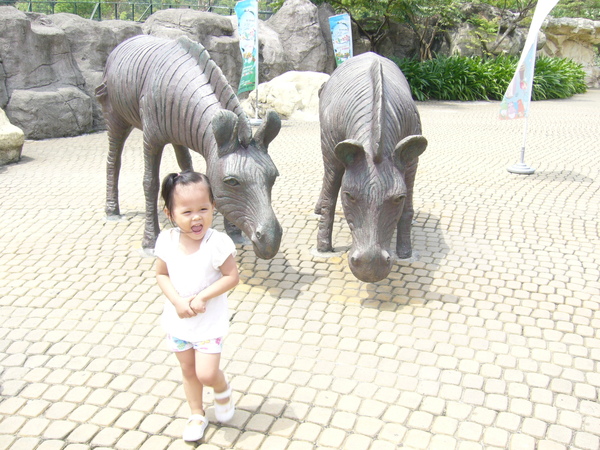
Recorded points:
(293, 95)
(297, 24)
(324, 12)
(3, 93)
(91, 42)
(39, 71)
(51, 111)
(401, 42)
(11, 141)
(577, 39)
(51, 66)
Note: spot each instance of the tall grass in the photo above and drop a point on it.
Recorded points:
(473, 78)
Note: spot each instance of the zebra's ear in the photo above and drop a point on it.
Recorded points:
(268, 130)
(349, 152)
(225, 129)
(408, 149)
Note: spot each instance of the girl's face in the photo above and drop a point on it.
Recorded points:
(192, 211)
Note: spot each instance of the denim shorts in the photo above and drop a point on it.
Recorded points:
(207, 346)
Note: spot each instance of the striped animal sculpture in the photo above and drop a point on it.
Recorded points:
(174, 93)
(371, 140)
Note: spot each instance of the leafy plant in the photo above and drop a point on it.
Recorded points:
(557, 78)
(473, 78)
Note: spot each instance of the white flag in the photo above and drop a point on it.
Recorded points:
(517, 98)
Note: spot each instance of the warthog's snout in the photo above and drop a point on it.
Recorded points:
(370, 265)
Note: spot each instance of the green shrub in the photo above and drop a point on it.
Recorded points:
(557, 78)
(473, 78)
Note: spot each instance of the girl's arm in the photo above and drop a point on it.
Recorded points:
(228, 281)
(182, 305)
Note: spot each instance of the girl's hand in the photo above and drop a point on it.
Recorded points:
(198, 304)
(184, 309)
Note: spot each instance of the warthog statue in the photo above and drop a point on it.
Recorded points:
(371, 140)
(176, 94)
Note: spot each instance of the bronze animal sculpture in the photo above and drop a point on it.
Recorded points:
(174, 93)
(371, 140)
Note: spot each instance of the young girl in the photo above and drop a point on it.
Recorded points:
(195, 267)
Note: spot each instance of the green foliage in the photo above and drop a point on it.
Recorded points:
(473, 78)
(485, 25)
(557, 78)
(588, 9)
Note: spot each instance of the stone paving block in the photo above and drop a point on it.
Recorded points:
(129, 420)
(307, 432)
(107, 437)
(300, 445)
(131, 440)
(51, 445)
(417, 439)
(34, 427)
(59, 429)
(26, 443)
(157, 443)
(550, 445)
(34, 408)
(83, 433)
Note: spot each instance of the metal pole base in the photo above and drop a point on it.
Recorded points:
(521, 168)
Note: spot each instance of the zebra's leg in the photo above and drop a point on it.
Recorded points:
(184, 158)
(404, 227)
(332, 181)
(235, 233)
(152, 157)
(118, 132)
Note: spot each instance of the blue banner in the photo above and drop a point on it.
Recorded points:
(341, 35)
(247, 14)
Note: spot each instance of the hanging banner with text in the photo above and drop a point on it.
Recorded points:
(341, 35)
(247, 14)
(517, 98)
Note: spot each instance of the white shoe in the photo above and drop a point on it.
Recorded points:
(224, 411)
(195, 431)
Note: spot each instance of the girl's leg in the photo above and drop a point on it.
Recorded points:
(192, 386)
(208, 372)
(207, 369)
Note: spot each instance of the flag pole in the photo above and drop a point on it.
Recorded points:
(517, 98)
(256, 121)
(522, 168)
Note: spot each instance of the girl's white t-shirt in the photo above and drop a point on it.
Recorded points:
(190, 274)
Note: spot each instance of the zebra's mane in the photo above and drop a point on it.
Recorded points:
(220, 85)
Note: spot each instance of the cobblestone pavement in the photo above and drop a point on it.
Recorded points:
(488, 338)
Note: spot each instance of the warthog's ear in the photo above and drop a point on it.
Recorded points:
(349, 152)
(224, 125)
(408, 149)
(268, 130)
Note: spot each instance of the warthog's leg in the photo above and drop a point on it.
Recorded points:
(403, 242)
(118, 131)
(332, 180)
(152, 157)
(184, 158)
